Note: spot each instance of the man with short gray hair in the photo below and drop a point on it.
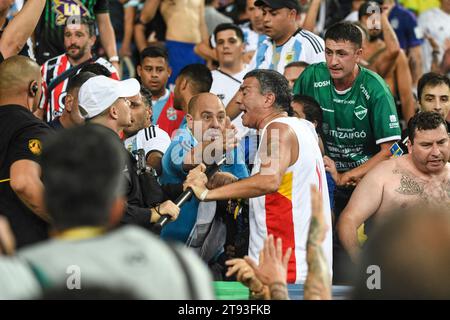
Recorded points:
(287, 163)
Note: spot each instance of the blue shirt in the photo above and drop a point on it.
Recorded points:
(173, 172)
(405, 25)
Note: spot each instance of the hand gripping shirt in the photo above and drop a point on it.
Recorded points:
(355, 121)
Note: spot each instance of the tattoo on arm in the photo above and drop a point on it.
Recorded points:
(278, 291)
(318, 281)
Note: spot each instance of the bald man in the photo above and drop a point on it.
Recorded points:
(204, 140)
(21, 133)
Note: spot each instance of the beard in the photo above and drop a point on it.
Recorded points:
(79, 55)
(375, 37)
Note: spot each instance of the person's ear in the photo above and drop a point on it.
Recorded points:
(270, 99)
(169, 71)
(358, 54)
(113, 112)
(243, 47)
(190, 121)
(293, 14)
(409, 145)
(183, 84)
(33, 89)
(92, 40)
(68, 101)
(139, 70)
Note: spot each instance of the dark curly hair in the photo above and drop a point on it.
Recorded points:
(424, 121)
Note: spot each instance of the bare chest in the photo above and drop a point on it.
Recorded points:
(405, 190)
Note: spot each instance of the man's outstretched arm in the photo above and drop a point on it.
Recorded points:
(20, 28)
(275, 160)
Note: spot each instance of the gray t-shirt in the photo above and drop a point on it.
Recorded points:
(129, 258)
(17, 281)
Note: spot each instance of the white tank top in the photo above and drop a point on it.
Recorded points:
(287, 212)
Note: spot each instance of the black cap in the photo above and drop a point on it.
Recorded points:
(278, 4)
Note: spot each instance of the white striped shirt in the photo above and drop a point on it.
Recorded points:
(252, 38)
(150, 139)
(302, 46)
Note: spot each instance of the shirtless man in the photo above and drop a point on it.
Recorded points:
(186, 26)
(422, 176)
(383, 55)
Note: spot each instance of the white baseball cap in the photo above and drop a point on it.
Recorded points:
(98, 93)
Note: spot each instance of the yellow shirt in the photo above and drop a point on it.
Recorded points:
(420, 6)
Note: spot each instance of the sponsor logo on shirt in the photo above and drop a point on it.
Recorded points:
(347, 135)
(393, 122)
(341, 101)
(322, 84)
(360, 112)
(365, 92)
(171, 114)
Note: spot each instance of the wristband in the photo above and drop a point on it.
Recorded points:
(114, 59)
(203, 195)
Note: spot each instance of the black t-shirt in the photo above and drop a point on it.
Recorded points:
(56, 124)
(50, 29)
(21, 134)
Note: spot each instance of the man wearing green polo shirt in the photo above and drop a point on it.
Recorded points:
(360, 122)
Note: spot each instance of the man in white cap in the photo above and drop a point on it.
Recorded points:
(104, 101)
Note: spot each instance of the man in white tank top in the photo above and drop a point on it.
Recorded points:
(287, 164)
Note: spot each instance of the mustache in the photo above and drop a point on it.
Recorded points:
(74, 47)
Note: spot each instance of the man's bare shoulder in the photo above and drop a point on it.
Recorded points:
(385, 167)
(281, 129)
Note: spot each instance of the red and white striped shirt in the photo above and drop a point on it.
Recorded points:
(53, 102)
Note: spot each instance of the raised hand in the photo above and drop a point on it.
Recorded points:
(273, 265)
(244, 274)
